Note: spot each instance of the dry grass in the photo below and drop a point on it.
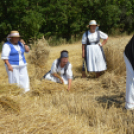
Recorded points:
(93, 106)
(38, 57)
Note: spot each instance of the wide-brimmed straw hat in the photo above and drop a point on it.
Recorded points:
(92, 22)
(14, 34)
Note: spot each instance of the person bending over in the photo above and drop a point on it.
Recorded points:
(61, 70)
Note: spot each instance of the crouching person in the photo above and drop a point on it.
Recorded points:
(61, 70)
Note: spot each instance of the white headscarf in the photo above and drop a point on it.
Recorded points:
(8, 39)
(97, 28)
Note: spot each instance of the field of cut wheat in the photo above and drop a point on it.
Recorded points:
(92, 106)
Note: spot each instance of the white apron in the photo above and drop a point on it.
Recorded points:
(129, 85)
(95, 59)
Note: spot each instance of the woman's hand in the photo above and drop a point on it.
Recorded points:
(10, 68)
(83, 50)
(100, 44)
(22, 41)
(104, 42)
(83, 55)
(62, 81)
(25, 46)
(56, 75)
(69, 84)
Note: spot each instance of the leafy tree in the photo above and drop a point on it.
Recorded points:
(63, 18)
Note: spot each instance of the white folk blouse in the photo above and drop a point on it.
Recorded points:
(93, 37)
(60, 71)
(6, 52)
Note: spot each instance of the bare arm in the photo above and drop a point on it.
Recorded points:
(69, 84)
(104, 42)
(10, 68)
(83, 50)
(25, 46)
(57, 76)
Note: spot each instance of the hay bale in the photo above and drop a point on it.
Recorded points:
(39, 56)
(40, 53)
(114, 55)
(115, 60)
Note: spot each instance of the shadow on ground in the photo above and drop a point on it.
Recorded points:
(108, 101)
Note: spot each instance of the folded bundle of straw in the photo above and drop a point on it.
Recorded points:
(39, 53)
(39, 56)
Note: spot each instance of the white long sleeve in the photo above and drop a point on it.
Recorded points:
(54, 68)
(69, 72)
(5, 52)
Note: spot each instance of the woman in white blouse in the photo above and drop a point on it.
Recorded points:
(63, 68)
(92, 49)
(15, 63)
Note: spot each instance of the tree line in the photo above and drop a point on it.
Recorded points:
(64, 18)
